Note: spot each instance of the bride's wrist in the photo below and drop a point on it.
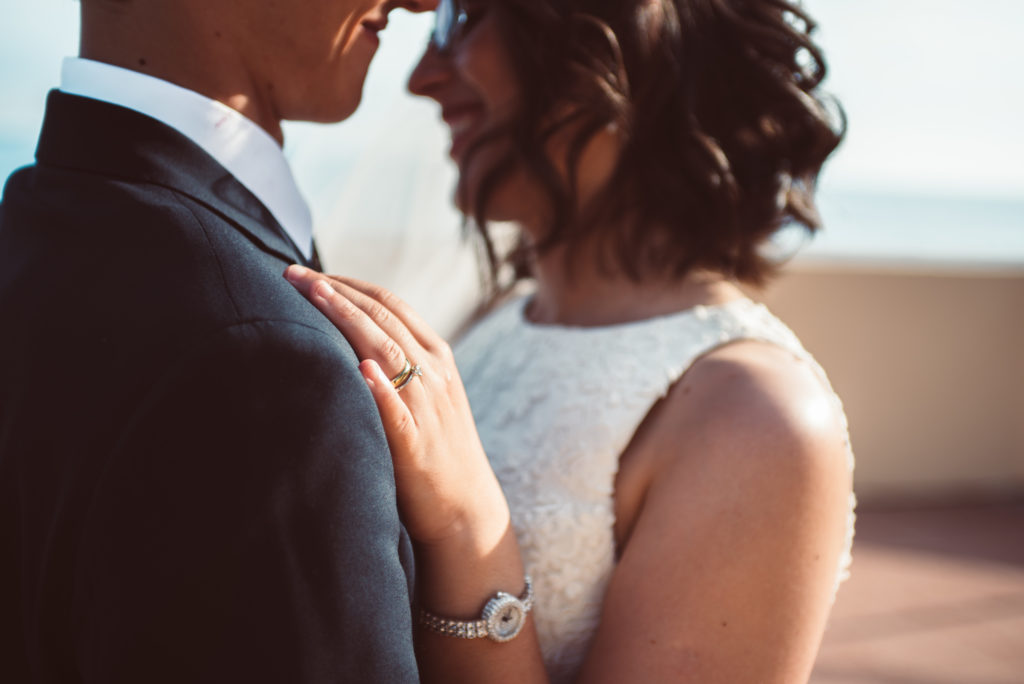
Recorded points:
(476, 530)
(479, 557)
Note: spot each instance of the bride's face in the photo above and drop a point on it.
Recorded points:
(473, 79)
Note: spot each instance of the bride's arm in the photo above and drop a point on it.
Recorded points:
(728, 570)
(449, 499)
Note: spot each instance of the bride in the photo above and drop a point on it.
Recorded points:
(656, 452)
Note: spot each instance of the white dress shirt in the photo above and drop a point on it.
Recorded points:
(238, 144)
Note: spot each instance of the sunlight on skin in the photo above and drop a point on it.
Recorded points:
(818, 414)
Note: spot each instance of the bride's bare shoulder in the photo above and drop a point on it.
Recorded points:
(742, 524)
(748, 412)
(754, 405)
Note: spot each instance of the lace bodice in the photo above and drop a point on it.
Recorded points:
(556, 406)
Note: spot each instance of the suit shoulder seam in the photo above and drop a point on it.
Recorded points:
(206, 236)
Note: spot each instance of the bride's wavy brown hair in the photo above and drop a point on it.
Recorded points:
(723, 129)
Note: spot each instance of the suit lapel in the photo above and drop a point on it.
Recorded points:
(96, 137)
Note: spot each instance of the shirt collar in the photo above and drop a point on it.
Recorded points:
(238, 144)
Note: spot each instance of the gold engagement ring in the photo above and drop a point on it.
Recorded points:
(409, 372)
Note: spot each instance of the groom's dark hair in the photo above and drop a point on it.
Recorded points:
(718, 103)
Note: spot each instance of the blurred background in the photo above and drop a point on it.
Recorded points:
(912, 297)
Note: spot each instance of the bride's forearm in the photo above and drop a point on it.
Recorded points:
(456, 577)
(482, 555)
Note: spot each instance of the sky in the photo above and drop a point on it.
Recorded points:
(932, 89)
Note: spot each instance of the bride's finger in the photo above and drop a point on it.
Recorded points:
(302, 278)
(419, 328)
(399, 423)
(380, 312)
(305, 280)
(366, 337)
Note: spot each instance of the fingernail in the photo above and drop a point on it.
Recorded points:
(371, 373)
(324, 291)
(294, 273)
(379, 374)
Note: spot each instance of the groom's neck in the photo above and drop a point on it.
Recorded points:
(178, 42)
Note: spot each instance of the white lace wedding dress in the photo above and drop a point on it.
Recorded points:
(555, 407)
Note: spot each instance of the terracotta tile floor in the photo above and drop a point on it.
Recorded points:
(936, 597)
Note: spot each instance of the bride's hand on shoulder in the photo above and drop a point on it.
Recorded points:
(449, 498)
(446, 488)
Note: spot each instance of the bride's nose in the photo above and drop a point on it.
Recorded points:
(432, 71)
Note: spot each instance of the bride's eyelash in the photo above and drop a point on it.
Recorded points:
(475, 11)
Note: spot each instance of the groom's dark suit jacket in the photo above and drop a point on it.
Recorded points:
(194, 483)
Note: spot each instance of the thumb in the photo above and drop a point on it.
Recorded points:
(399, 425)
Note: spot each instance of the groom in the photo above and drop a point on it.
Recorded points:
(194, 485)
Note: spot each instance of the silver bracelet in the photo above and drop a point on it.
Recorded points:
(502, 618)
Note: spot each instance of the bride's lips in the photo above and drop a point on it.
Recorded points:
(463, 121)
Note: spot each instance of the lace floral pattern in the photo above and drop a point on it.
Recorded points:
(555, 407)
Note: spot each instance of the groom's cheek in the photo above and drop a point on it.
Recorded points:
(314, 56)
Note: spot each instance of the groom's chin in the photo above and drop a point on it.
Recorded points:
(341, 110)
(325, 110)
(338, 101)
(338, 95)
(329, 94)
